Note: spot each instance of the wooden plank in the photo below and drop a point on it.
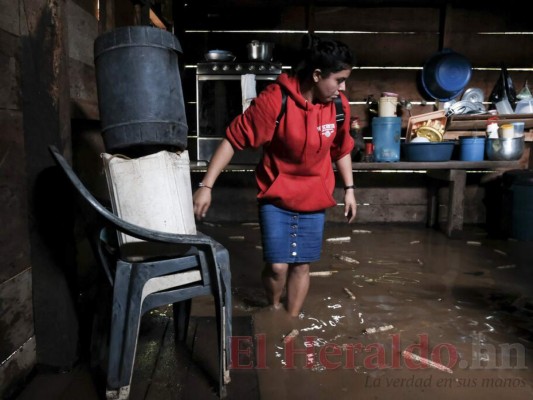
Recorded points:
(9, 18)
(15, 370)
(10, 98)
(47, 121)
(371, 19)
(479, 122)
(385, 213)
(488, 18)
(14, 240)
(16, 314)
(444, 165)
(82, 31)
(83, 93)
(511, 50)
(88, 5)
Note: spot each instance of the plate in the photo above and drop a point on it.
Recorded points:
(474, 95)
(466, 107)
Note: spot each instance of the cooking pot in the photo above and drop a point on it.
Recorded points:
(446, 74)
(260, 51)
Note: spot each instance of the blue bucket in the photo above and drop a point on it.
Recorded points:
(472, 148)
(386, 134)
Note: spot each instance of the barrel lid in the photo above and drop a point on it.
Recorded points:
(135, 36)
(520, 177)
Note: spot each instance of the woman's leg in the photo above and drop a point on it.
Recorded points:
(297, 288)
(274, 279)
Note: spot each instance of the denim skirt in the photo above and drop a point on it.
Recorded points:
(290, 236)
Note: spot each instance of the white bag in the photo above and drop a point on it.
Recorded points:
(153, 192)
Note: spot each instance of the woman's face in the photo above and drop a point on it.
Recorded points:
(327, 88)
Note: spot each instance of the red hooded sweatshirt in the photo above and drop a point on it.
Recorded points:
(296, 171)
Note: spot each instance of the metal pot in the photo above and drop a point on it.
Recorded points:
(260, 51)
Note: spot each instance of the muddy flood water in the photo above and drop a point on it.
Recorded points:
(393, 311)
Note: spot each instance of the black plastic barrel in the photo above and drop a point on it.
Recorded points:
(140, 96)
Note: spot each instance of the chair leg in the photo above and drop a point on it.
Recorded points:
(118, 324)
(127, 299)
(122, 393)
(182, 313)
(132, 323)
(224, 316)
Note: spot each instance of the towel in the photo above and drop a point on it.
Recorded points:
(248, 90)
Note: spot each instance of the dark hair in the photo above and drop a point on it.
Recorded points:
(327, 55)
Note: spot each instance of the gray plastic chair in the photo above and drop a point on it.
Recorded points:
(140, 286)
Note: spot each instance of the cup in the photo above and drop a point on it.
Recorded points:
(506, 131)
(387, 105)
(518, 128)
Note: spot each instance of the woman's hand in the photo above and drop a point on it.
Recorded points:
(201, 202)
(202, 196)
(350, 205)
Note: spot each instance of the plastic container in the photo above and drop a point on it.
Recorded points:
(140, 97)
(446, 74)
(472, 148)
(388, 104)
(520, 183)
(524, 106)
(519, 128)
(153, 191)
(429, 151)
(386, 134)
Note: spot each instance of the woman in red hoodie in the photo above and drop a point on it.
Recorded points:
(295, 176)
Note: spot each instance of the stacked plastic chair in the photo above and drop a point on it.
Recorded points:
(198, 266)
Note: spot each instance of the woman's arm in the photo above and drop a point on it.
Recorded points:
(344, 166)
(202, 196)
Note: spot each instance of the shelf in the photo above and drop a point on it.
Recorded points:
(467, 122)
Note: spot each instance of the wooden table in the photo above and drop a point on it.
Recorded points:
(451, 172)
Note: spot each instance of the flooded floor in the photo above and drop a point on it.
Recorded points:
(382, 293)
(393, 311)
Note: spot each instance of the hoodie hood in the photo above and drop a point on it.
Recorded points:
(292, 88)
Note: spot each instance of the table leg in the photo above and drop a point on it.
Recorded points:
(456, 197)
(433, 204)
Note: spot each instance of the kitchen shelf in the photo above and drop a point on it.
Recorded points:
(464, 124)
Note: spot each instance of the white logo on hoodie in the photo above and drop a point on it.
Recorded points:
(327, 129)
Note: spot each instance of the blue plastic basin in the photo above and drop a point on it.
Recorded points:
(446, 74)
(432, 151)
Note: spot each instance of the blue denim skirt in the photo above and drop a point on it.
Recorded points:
(290, 236)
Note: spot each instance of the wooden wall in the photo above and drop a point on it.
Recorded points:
(391, 43)
(17, 340)
(38, 322)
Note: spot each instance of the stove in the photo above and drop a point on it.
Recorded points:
(238, 68)
(219, 100)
